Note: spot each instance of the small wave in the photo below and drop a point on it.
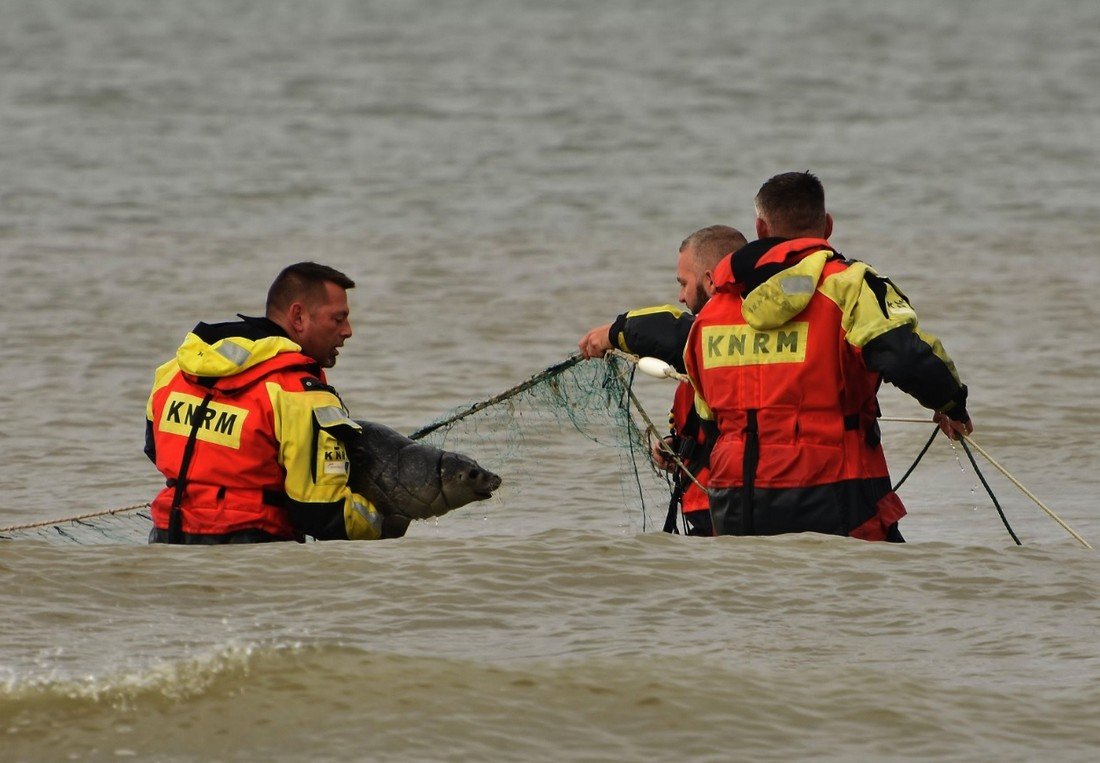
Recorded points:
(336, 702)
(168, 679)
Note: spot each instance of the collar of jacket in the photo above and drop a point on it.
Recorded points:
(787, 293)
(248, 327)
(756, 262)
(213, 351)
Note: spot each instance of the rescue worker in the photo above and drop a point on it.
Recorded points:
(787, 358)
(662, 332)
(244, 426)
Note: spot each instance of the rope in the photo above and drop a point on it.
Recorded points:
(988, 489)
(1026, 492)
(651, 429)
(969, 440)
(629, 384)
(920, 455)
(553, 370)
(63, 520)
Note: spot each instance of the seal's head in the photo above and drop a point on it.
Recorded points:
(464, 480)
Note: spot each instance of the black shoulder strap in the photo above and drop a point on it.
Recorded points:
(695, 456)
(673, 505)
(175, 514)
(749, 460)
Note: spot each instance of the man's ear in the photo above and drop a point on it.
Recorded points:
(828, 225)
(295, 318)
(708, 282)
(761, 228)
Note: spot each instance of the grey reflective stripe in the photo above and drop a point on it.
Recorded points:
(332, 415)
(372, 518)
(798, 285)
(233, 352)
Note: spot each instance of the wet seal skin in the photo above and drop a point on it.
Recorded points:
(410, 480)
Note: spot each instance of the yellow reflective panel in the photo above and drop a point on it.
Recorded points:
(742, 345)
(221, 424)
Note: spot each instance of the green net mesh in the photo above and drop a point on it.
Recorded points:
(572, 444)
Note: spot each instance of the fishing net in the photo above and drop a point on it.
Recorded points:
(571, 443)
(129, 524)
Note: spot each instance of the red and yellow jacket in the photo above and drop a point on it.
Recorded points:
(685, 423)
(787, 357)
(261, 423)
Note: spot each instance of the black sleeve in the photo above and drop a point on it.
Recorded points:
(907, 362)
(150, 442)
(658, 333)
(322, 521)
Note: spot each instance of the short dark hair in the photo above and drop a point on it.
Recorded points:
(713, 243)
(304, 282)
(792, 203)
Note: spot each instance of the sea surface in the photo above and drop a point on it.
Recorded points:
(499, 177)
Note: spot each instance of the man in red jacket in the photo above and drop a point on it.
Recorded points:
(245, 429)
(787, 357)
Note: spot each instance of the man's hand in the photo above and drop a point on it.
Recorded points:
(596, 342)
(660, 453)
(950, 427)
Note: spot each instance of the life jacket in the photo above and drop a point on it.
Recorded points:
(694, 449)
(778, 372)
(233, 479)
(791, 374)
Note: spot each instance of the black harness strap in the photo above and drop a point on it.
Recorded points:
(748, 467)
(872, 435)
(673, 505)
(175, 514)
(695, 456)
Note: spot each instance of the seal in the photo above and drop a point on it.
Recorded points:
(408, 480)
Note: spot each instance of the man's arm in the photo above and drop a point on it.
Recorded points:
(915, 362)
(319, 500)
(150, 442)
(659, 332)
(883, 324)
(162, 376)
